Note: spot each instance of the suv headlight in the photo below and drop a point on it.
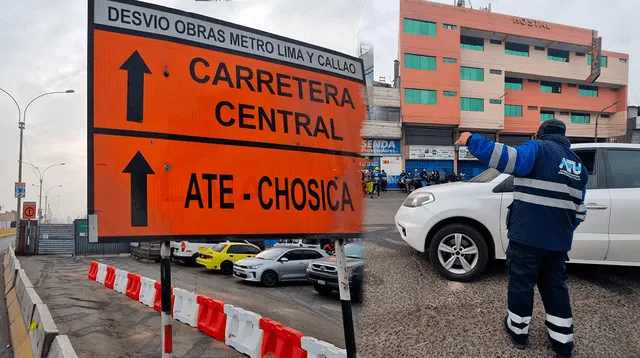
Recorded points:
(416, 199)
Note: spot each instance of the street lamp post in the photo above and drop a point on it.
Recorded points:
(595, 136)
(41, 174)
(47, 208)
(21, 124)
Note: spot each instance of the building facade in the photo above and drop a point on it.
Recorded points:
(382, 132)
(498, 75)
(633, 126)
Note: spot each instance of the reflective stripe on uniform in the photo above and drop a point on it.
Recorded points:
(560, 322)
(495, 155)
(562, 338)
(582, 208)
(517, 330)
(511, 162)
(548, 185)
(581, 217)
(541, 200)
(517, 319)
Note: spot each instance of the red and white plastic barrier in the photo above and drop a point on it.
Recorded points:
(147, 291)
(243, 331)
(185, 308)
(316, 348)
(120, 284)
(102, 273)
(211, 317)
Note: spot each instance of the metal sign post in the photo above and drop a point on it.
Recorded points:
(345, 299)
(165, 289)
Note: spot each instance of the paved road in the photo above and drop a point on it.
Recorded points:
(411, 311)
(103, 323)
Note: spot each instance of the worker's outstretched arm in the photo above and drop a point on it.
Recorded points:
(517, 160)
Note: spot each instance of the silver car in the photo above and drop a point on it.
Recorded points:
(277, 264)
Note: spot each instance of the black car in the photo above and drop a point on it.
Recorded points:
(323, 273)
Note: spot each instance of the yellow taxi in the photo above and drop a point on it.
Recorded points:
(223, 255)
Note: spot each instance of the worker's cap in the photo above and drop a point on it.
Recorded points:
(552, 126)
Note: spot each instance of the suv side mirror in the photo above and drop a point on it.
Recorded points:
(284, 259)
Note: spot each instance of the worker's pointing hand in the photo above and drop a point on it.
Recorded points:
(464, 137)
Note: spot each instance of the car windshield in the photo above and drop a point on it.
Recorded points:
(219, 247)
(486, 176)
(355, 251)
(270, 254)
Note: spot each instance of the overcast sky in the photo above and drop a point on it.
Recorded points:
(44, 49)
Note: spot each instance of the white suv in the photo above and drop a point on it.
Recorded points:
(463, 225)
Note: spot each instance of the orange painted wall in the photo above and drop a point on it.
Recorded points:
(446, 43)
(568, 100)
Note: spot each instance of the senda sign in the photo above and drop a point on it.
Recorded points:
(532, 23)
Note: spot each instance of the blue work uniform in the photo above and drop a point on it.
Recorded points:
(548, 205)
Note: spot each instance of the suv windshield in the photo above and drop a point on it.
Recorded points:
(486, 176)
(355, 251)
(270, 254)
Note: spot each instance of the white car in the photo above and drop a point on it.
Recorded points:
(187, 251)
(463, 225)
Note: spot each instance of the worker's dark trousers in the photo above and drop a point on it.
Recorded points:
(527, 267)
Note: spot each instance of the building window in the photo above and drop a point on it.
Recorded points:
(495, 42)
(472, 43)
(572, 85)
(495, 72)
(472, 104)
(511, 48)
(419, 62)
(533, 81)
(545, 115)
(368, 75)
(564, 113)
(511, 110)
(450, 93)
(623, 60)
(539, 48)
(603, 60)
(604, 115)
(580, 118)
(417, 27)
(495, 101)
(387, 114)
(448, 27)
(532, 108)
(613, 89)
(558, 55)
(471, 74)
(449, 60)
(550, 87)
(588, 91)
(419, 96)
(511, 83)
(580, 54)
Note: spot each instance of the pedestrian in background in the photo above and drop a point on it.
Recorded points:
(383, 181)
(548, 205)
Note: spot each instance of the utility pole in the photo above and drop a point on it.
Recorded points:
(595, 136)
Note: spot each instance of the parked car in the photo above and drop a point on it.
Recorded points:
(276, 265)
(323, 273)
(223, 255)
(463, 225)
(187, 251)
(309, 243)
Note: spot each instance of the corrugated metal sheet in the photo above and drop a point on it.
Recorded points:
(84, 247)
(55, 239)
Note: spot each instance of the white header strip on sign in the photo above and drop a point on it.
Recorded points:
(138, 18)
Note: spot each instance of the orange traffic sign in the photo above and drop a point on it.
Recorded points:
(29, 210)
(203, 128)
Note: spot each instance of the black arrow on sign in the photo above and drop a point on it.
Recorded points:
(139, 169)
(136, 69)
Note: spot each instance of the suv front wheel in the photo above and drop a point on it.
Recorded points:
(459, 252)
